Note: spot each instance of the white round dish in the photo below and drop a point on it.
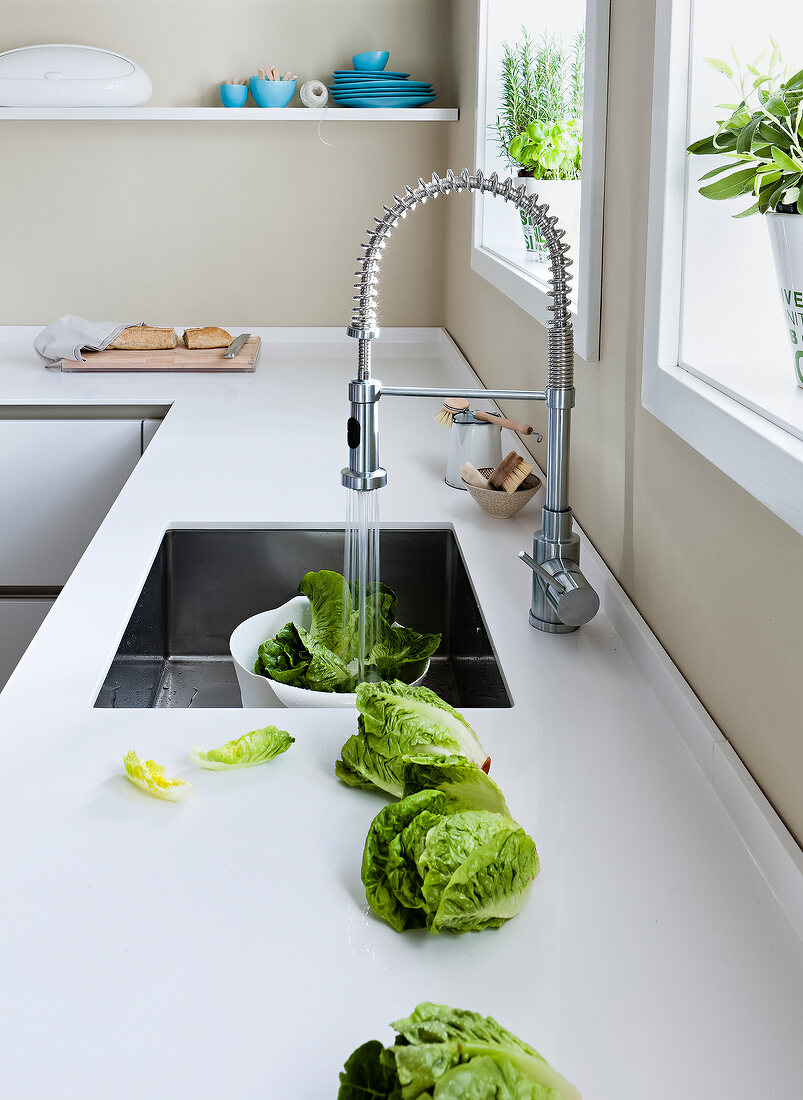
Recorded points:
(259, 691)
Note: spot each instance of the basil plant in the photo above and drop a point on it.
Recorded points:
(550, 151)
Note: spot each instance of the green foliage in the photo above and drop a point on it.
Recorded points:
(762, 136)
(451, 1054)
(539, 127)
(551, 152)
(397, 722)
(446, 862)
(325, 657)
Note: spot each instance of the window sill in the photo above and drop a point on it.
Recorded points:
(527, 284)
(761, 456)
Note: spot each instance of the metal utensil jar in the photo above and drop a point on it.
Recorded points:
(471, 440)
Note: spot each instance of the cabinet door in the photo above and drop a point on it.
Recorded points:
(59, 478)
(19, 621)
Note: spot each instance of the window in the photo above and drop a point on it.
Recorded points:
(718, 368)
(499, 246)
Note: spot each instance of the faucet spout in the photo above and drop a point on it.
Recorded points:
(565, 600)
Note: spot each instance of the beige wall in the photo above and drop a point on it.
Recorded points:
(197, 222)
(683, 539)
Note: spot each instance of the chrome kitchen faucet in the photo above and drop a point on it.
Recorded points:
(562, 599)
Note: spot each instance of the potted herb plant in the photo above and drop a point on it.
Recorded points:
(762, 142)
(540, 127)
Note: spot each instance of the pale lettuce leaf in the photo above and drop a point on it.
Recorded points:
(153, 779)
(256, 747)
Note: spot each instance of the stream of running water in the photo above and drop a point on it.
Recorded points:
(361, 572)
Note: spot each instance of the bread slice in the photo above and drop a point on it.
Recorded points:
(206, 338)
(144, 338)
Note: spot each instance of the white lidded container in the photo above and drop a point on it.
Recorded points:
(64, 75)
(472, 440)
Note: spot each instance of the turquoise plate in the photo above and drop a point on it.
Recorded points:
(381, 85)
(387, 101)
(367, 75)
(383, 96)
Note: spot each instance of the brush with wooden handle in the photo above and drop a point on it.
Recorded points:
(510, 473)
(454, 405)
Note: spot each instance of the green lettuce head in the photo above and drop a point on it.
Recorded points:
(433, 860)
(444, 1053)
(397, 721)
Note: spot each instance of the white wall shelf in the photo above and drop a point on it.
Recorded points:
(233, 114)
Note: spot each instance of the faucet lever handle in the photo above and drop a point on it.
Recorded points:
(574, 600)
(539, 570)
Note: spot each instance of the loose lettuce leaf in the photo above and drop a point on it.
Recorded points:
(398, 721)
(256, 747)
(444, 1053)
(153, 779)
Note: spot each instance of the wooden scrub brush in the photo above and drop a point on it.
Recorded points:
(454, 405)
(510, 473)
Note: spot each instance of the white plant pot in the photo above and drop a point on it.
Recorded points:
(786, 236)
(563, 199)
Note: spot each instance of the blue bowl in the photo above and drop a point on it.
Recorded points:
(272, 93)
(233, 95)
(373, 61)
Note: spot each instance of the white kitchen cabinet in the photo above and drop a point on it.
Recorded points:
(59, 479)
(19, 621)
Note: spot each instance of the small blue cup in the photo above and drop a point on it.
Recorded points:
(272, 93)
(373, 61)
(233, 95)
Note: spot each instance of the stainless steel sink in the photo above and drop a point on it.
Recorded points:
(175, 649)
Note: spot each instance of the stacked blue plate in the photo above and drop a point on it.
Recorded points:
(351, 88)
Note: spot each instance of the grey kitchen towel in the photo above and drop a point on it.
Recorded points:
(65, 337)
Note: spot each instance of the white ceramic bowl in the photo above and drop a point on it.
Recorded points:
(259, 691)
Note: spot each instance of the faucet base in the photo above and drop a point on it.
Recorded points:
(549, 627)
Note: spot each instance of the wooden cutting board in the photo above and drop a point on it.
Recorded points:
(177, 359)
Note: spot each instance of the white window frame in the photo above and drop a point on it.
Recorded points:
(528, 292)
(761, 456)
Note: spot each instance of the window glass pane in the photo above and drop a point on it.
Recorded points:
(502, 231)
(732, 326)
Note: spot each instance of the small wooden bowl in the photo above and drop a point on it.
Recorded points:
(498, 503)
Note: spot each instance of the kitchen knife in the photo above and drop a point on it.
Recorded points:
(235, 345)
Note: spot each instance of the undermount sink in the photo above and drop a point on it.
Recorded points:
(175, 649)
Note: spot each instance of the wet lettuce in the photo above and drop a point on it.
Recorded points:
(444, 1053)
(448, 856)
(396, 722)
(325, 657)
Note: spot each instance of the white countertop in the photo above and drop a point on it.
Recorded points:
(222, 948)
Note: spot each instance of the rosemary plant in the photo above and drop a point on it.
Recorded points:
(539, 125)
